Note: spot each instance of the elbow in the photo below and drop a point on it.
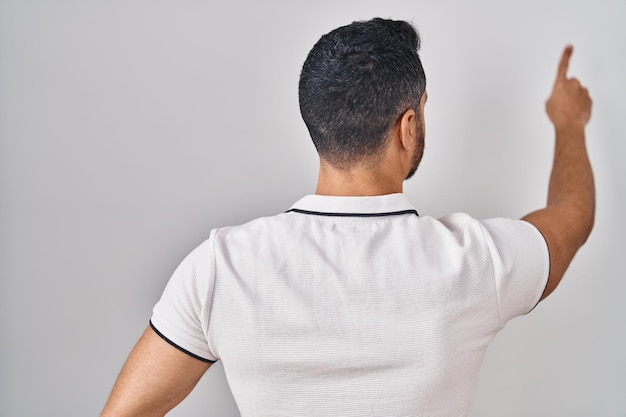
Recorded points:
(589, 216)
(588, 229)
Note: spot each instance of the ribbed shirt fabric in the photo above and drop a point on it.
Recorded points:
(353, 306)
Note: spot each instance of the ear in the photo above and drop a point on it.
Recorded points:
(408, 129)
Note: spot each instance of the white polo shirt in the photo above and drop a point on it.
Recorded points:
(353, 306)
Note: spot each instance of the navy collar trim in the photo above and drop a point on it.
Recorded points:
(354, 206)
(320, 213)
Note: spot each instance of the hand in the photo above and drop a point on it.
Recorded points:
(569, 105)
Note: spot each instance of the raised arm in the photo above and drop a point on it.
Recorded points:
(155, 378)
(568, 218)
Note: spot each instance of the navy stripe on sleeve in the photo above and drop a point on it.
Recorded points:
(193, 355)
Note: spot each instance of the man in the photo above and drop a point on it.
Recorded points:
(350, 303)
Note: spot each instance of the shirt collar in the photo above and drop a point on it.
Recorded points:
(381, 205)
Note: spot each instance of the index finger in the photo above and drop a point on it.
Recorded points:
(564, 63)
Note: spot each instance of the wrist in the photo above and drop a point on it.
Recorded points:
(569, 129)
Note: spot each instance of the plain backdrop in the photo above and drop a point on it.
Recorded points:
(129, 129)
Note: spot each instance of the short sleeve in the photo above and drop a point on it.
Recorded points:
(521, 265)
(181, 316)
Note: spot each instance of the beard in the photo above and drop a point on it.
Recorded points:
(419, 149)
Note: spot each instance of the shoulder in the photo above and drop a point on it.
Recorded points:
(504, 240)
(466, 228)
(260, 226)
(465, 223)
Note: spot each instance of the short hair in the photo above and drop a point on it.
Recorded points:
(355, 84)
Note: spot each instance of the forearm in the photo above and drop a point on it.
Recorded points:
(571, 189)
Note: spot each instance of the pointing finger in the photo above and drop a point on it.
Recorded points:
(564, 63)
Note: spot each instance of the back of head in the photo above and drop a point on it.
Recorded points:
(355, 84)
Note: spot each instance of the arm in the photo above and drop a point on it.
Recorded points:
(568, 218)
(155, 378)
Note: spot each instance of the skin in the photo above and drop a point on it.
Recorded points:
(157, 376)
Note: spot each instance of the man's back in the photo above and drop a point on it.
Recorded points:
(353, 305)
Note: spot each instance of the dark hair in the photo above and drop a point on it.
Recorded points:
(355, 84)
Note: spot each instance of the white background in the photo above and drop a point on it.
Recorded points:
(129, 129)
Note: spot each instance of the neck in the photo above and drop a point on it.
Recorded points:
(356, 181)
